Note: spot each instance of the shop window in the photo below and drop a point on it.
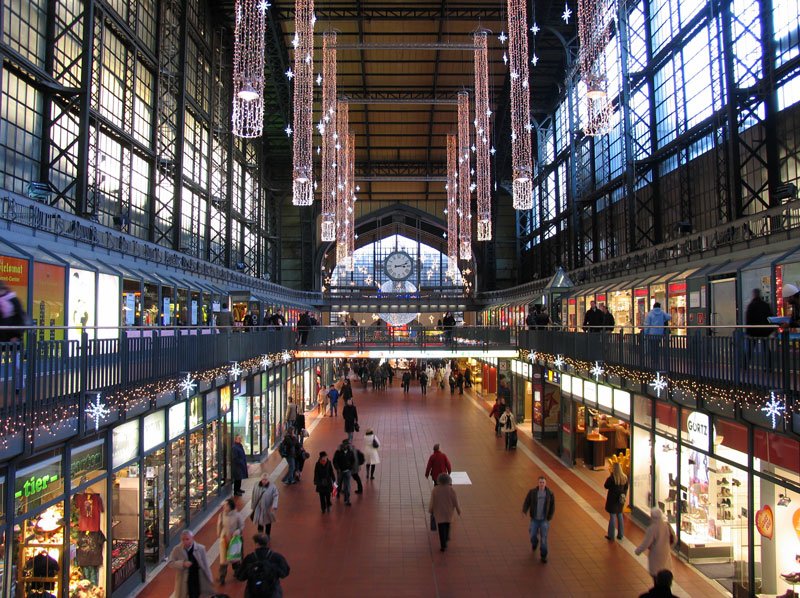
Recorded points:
(666, 419)
(87, 462)
(665, 467)
(780, 451)
(730, 441)
(37, 485)
(88, 536)
(38, 555)
(125, 525)
(778, 546)
(197, 467)
(153, 508)
(177, 486)
(212, 458)
(642, 460)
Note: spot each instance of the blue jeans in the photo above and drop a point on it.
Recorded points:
(615, 520)
(289, 479)
(350, 437)
(344, 484)
(539, 527)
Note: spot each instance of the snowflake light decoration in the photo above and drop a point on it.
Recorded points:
(774, 409)
(236, 371)
(98, 411)
(559, 362)
(502, 37)
(532, 357)
(289, 74)
(659, 383)
(566, 14)
(188, 385)
(534, 60)
(535, 28)
(597, 370)
(266, 362)
(287, 357)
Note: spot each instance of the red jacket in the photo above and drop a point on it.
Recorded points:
(438, 463)
(497, 410)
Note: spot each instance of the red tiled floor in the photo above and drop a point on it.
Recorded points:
(382, 544)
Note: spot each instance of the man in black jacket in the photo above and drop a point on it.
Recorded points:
(757, 316)
(344, 461)
(541, 504)
(263, 570)
(593, 320)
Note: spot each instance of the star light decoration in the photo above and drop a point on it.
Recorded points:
(566, 14)
(481, 145)
(286, 356)
(98, 411)
(327, 128)
(559, 362)
(659, 384)
(303, 104)
(235, 370)
(532, 357)
(464, 194)
(521, 163)
(247, 113)
(187, 385)
(774, 408)
(266, 362)
(597, 370)
(452, 205)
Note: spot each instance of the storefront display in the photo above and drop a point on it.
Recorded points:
(153, 508)
(39, 554)
(620, 305)
(81, 304)
(125, 525)
(177, 486)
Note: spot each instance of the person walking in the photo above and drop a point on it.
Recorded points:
(344, 461)
(357, 463)
(350, 417)
(460, 381)
(451, 380)
(263, 570)
(239, 465)
(371, 456)
(467, 377)
(437, 463)
(508, 425)
(663, 586)
(11, 314)
(406, 381)
(443, 503)
(757, 318)
(658, 541)
(423, 382)
(593, 319)
(230, 524)
(540, 503)
(608, 318)
(194, 573)
(346, 392)
(617, 486)
(299, 427)
(225, 319)
(333, 397)
(265, 504)
(303, 326)
(322, 401)
(323, 481)
(288, 450)
(498, 409)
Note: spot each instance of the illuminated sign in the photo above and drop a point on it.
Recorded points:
(35, 485)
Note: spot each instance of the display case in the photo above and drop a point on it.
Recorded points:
(153, 508)
(197, 469)
(177, 486)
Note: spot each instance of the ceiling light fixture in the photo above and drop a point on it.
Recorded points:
(329, 195)
(481, 145)
(303, 104)
(349, 201)
(522, 186)
(247, 114)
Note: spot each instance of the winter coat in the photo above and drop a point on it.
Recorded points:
(176, 559)
(278, 562)
(350, 416)
(656, 322)
(324, 477)
(264, 500)
(593, 320)
(444, 503)
(438, 463)
(532, 499)
(371, 456)
(613, 504)
(239, 462)
(497, 411)
(344, 460)
(507, 422)
(757, 314)
(658, 539)
(227, 525)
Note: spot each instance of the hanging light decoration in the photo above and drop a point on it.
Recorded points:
(522, 186)
(464, 191)
(342, 181)
(247, 114)
(303, 186)
(327, 130)
(594, 32)
(482, 114)
(350, 200)
(452, 205)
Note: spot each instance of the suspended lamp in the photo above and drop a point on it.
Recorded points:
(327, 128)
(464, 192)
(302, 186)
(522, 184)
(247, 114)
(482, 113)
(595, 19)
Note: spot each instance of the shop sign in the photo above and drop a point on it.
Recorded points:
(86, 458)
(166, 310)
(765, 522)
(604, 396)
(125, 443)
(590, 392)
(154, 430)
(698, 428)
(566, 383)
(35, 482)
(177, 420)
(622, 402)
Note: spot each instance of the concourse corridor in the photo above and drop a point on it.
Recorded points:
(382, 545)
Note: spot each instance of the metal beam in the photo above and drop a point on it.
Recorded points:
(414, 98)
(433, 46)
(406, 11)
(401, 179)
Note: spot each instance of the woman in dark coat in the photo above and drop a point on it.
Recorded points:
(323, 480)
(617, 486)
(350, 416)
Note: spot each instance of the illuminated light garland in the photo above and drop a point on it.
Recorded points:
(303, 167)
(350, 200)
(464, 193)
(452, 205)
(482, 113)
(187, 385)
(521, 161)
(247, 114)
(595, 20)
(327, 128)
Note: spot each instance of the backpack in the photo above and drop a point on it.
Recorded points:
(283, 450)
(262, 578)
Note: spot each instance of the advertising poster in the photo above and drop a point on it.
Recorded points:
(48, 299)
(108, 316)
(130, 309)
(14, 272)
(81, 304)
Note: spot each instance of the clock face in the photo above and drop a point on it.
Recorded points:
(398, 265)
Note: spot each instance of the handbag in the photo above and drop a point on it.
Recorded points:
(433, 523)
(375, 443)
(356, 427)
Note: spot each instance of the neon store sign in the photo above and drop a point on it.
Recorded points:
(35, 485)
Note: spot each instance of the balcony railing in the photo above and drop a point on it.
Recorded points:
(361, 338)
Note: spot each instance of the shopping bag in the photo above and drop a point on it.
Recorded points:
(335, 489)
(234, 553)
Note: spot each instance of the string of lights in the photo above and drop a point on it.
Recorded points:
(452, 205)
(482, 114)
(351, 201)
(327, 129)
(303, 104)
(343, 182)
(247, 115)
(594, 34)
(521, 162)
(464, 187)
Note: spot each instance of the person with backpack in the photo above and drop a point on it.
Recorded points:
(371, 456)
(323, 481)
(263, 570)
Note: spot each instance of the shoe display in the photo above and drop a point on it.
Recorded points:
(723, 482)
(725, 469)
(736, 482)
(725, 492)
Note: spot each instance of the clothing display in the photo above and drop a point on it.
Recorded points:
(42, 566)
(89, 549)
(89, 507)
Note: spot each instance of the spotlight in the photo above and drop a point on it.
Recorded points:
(783, 500)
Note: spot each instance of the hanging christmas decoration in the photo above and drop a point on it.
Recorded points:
(302, 185)
(774, 408)
(522, 185)
(187, 385)
(342, 180)
(247, 114)
(482, 114)
(452, 205)
(351, 199)
(98, 411)
(464, 195)
(327, 129)
(595, 20)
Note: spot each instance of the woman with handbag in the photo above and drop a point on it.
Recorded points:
(371, 456)
(265, 504)
(617, 486)
(230, 526)
(509, 426)
(323, 481)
